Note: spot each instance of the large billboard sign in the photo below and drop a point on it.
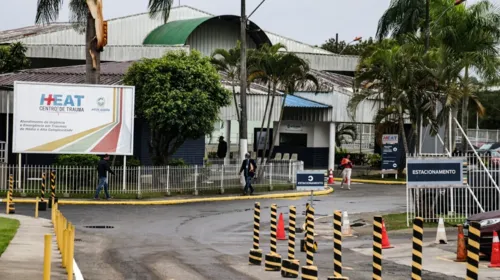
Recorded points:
(435, 171)
(73, 119)
(391, 154)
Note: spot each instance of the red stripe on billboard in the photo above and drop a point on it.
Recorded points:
(110, 142)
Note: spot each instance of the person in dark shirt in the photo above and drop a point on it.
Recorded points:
(222, 148)
(249, 168)
(102, 171)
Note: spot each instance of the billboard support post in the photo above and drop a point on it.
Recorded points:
(19, 168)
(7, 130)
(124, 173)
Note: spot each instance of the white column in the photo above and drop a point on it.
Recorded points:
(331, 153)
(228, 140)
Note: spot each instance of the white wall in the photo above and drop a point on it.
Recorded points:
(317, 133)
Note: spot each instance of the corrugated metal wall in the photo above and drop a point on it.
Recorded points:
(255, 109)
(216, 35)
(111, 53)
(330, 62)
(294, 46)
(364, 114)
(3, 101)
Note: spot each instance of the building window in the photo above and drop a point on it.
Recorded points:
(293, 139)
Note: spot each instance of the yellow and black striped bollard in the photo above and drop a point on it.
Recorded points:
(303, 241)
(473, 251)
(255, 257)
(377, 248)
(12, 206)
(337, 247)
(418, 236)
(273, 259)
(290, 267)
(310, 271)
(53, 198)
(42, 205)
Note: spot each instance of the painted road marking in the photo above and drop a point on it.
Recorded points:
(444, 258)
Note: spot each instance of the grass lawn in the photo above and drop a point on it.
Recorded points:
(398, 221)
(8, 228)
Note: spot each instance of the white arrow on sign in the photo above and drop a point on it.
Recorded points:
(310, 178)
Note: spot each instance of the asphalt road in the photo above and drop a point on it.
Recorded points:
(212, 240)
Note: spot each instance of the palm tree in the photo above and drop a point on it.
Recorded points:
(87, 16)
(228, 61)
(395, 75)
(346, 133)
(402, 17)
(261, 69)
(472, 36)
(284, 71)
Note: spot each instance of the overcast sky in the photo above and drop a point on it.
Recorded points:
(311, 21)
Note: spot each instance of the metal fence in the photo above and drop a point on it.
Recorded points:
(480, 192)
(148, 179)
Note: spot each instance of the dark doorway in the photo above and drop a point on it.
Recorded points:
(293, 140)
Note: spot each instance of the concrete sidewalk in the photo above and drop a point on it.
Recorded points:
(23, 259)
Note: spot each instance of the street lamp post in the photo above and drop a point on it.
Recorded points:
(357, 39)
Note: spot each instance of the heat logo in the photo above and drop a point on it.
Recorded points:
(61, 103)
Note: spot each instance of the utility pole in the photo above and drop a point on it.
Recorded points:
(243, 83)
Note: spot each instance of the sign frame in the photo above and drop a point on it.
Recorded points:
(436, 161)
(15, 117)
(394, 155)
(314, 187)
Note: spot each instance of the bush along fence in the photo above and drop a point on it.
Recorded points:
(141, 181)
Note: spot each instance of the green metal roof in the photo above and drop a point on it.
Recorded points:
(174, 33)
(177, 32)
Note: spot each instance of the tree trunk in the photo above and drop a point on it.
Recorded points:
(235, 101)
(454, 127)
(446, 137)
(465, 110)
(266, 141)
(402, 132)
(92, 56)
(262, 125)
(277, 128)
(427, 24)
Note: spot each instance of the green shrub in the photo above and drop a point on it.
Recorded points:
(375, 160)
(77, 160)
(177, 162)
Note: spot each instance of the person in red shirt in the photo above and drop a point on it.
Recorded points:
(346, 164)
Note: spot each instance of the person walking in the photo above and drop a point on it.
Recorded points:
(222, 148)
(346, 164)
(102, 171)
(249, 168)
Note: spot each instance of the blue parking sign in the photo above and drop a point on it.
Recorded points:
(310, 181)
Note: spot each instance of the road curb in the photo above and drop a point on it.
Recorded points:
(327, 191)
(377, 182)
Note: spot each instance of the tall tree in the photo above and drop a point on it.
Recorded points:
(13, 58)
(472, 34)
(260, 69)
(228, 61)
(87, 17)
(285, 72)
(180, 96)
(331, 45)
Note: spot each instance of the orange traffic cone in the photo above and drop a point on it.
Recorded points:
(280, 235)
(461, 249)
(495, 251)
(385, 238)
(331, 180)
